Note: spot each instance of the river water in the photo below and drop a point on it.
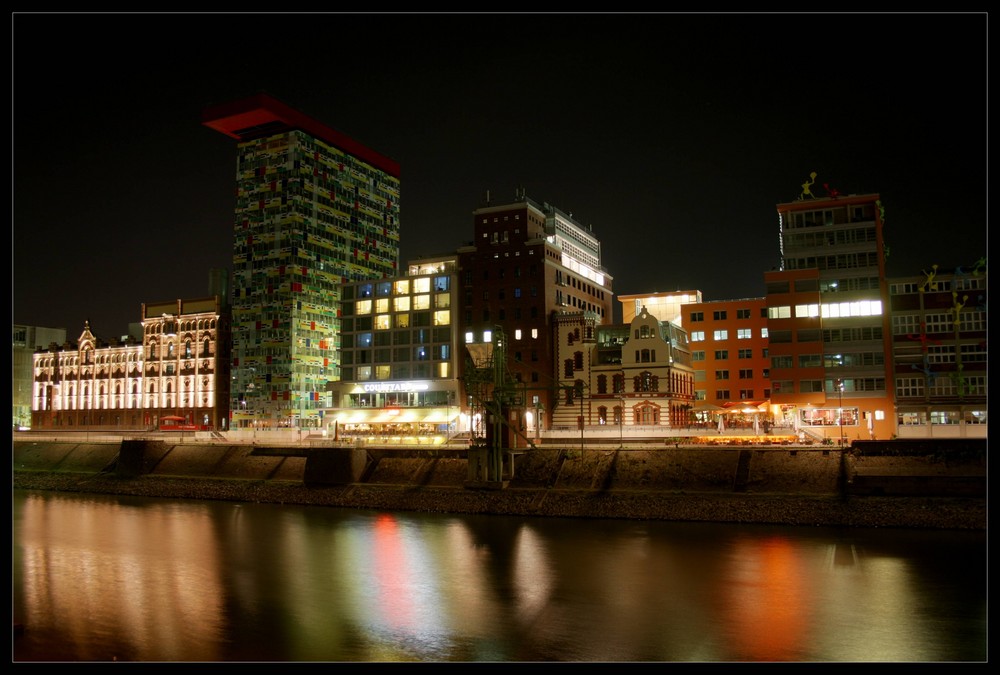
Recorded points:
(109, 578)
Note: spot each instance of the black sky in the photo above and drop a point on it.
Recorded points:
(672, 135)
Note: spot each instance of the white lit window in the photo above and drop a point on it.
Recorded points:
(720, 335)
(697, 336)
(517, 334)
(534, 333)
(743, 333)
(469, 337)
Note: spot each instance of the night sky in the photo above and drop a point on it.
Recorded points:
(672, 135)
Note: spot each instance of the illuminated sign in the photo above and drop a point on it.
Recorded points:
(394, 386)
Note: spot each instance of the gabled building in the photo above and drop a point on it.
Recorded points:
(179, 369)
(633, 379)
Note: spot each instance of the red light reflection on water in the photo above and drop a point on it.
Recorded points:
(768, 601)
(392, 574)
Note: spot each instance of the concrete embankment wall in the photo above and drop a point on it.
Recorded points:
(132, 458)
(667, 469)
(678, 470)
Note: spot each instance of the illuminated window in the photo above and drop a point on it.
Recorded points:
(469, 337)
(517, 334)
(364, 373)
(442, 317)
(422, 285)
(443, 369)
(720, 335)
(382, 372)
(401, 287)
(401, 304)
(534, 333)
(402, 321)
(382, 305)
(421, 302)
(697, 336)
(363, 307)
(743, 334)
(383, 321)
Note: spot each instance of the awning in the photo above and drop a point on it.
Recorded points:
(706, 406)
(393, 415)
(441, 416)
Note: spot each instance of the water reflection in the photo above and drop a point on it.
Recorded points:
(101, 578)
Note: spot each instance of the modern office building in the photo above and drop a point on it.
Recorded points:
(529, 262)
(665, 306)
(179, 369)
(314, 209)
(828, 327)
(400, 355)
(26, 339)
(729, 353)
(939, 352)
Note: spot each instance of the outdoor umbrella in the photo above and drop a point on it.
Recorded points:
(722, 425)
(756, 425)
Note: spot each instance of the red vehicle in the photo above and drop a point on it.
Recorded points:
(173, 423)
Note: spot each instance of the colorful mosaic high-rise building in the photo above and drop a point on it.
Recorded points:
(314, 208)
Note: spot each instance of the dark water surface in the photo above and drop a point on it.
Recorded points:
(104, 578)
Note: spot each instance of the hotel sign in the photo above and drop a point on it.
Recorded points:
(381, 387)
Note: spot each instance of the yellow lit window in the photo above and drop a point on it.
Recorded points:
(382, 305)
(422, 285)
(442, 300)
(401, 287)
(363, 307)
(382, 321)
(421, 302)
(402, 304)
(402, 321)
(442, 317)
(443, 369)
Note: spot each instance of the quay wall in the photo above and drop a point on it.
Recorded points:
(781, 485)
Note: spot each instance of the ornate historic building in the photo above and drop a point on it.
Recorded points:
(180, 369)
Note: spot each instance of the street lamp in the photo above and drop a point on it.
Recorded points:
(621, 423)
(840, 410)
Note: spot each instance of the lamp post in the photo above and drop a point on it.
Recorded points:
(621, 424)
(840, 410)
